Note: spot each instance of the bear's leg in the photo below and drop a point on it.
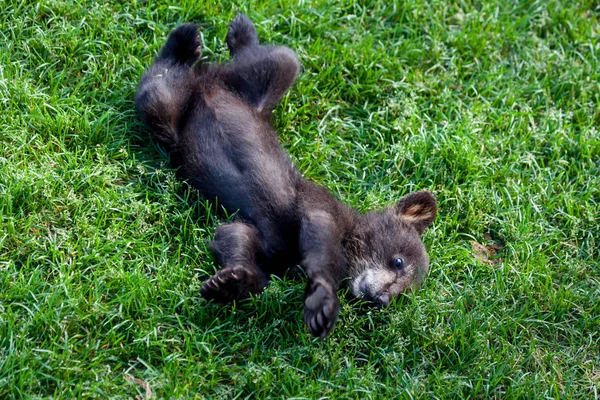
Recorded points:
(241, 34)
(235, 246)
(324, 263)
(165, 88)
(183, 46)
(262, 75)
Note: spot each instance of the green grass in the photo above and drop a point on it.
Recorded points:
(492, 105)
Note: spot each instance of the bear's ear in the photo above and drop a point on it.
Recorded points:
(417, 209)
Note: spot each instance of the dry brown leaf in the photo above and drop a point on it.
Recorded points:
(486, 253)
(141, 383)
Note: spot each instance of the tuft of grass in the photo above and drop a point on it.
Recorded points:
(493, 105)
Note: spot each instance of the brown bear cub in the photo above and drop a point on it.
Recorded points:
(215, 121)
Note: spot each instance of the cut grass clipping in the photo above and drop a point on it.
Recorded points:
(492, 105)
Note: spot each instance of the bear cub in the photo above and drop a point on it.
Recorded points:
(215, 122)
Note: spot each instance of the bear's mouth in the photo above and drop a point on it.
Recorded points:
(362, 292)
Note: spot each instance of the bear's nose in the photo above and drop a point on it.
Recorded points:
(382, 300)
(362, 286)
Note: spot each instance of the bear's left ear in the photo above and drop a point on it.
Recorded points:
(418, 209)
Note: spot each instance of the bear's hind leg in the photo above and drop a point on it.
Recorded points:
(241, 34)
(166, 87)
(183, 45)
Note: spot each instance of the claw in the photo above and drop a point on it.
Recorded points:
(232, 283)
(321, 311)
(320, 319)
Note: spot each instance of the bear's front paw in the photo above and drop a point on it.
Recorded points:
(232, 283)
(321, 309)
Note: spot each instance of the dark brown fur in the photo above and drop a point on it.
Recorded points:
(215, 121)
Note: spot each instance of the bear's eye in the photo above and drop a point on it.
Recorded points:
(398, 263)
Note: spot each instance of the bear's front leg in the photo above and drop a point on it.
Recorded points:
(235, 246)
(324, 264)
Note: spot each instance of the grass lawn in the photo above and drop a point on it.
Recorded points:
(493, 105)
